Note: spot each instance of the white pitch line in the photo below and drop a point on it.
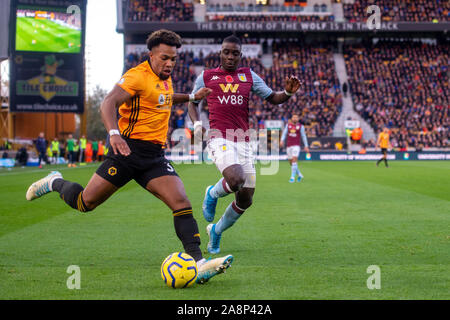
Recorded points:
(41, 170)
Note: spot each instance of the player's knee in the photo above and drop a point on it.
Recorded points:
(89, 204)
(180, 202)
(236, 182)
(244, 204)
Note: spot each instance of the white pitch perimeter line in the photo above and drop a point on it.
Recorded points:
(43, 170)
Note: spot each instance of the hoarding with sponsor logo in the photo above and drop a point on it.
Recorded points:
(47, 56)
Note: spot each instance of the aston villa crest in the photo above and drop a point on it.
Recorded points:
(242, 77)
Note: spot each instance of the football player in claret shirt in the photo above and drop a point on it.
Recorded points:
(228, 138)
(144, 96)
(292, 132)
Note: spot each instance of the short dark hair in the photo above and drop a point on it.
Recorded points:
(233, 39)
(164, 36)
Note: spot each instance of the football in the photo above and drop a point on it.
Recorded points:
(179, 270)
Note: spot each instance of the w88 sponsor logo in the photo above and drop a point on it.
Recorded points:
(231, 99)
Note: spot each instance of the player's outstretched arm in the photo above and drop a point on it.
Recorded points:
(291, 87)
(108, 108)
(185, 97)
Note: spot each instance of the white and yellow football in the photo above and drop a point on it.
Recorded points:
(179, 270)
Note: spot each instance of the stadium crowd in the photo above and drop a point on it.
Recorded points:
(177, 10)
(160, 10)
(260, 8)
(271, 18)
(320, 101)
(402, 85)
(319, 105)
(400, 10)
(391, 10)
(260, 13)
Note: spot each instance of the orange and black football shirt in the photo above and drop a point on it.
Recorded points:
(146, 115)
(384, 140)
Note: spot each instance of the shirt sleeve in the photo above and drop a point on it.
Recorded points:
(260, 87)
(199, 83)
(131, 82)
(304, 138)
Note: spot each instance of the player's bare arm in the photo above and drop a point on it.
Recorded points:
(108, 110)
(291, 87)
(193, 108)
(184, 97)
(194, 114)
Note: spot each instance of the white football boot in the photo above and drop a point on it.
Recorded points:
(212, 267)
(43, 186)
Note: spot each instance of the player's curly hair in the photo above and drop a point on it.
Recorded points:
(164, 36)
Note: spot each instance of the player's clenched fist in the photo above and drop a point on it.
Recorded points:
(202, 93)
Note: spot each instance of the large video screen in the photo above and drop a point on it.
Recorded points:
(47, 31)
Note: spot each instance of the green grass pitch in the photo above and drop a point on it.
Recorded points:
(308, 240)
(45, 35)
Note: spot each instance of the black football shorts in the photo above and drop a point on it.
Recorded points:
(145, 162)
